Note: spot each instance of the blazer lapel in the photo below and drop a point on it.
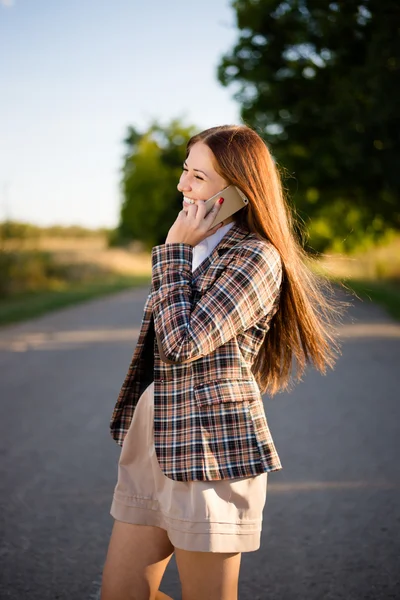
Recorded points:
(201, 275)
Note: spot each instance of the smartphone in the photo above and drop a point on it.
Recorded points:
(234, 200)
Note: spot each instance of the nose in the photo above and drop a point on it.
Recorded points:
(183, 187)
(183, 184)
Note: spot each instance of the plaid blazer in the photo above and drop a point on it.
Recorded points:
(209, 419)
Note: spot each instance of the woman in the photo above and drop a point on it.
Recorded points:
(229, 308)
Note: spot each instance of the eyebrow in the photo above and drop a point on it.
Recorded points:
(198, 170)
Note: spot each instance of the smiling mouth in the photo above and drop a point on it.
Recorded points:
(188, 200)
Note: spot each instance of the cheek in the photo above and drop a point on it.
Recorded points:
(211, 190)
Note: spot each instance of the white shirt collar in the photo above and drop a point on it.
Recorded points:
(206, 246)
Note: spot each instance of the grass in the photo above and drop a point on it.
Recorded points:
(49, 273)
(33, 304)
(385, 293)
(373, 274)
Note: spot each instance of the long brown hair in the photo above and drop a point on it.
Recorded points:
(303, 327)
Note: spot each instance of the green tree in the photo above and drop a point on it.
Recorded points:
(320, 82)
(151, 171)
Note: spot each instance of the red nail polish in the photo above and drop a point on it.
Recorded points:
(220, 201)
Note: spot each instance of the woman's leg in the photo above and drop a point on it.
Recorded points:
(136, 560)
(210, 575)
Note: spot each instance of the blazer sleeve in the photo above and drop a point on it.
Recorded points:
(243, 294)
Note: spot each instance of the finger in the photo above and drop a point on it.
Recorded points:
(189, 215)
(200, 208)
(213, 212)
(192, 208)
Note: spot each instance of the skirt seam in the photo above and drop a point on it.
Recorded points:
(174, 519)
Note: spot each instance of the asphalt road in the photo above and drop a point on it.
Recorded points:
(332, 517)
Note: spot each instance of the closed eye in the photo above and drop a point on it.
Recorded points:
(196, 176)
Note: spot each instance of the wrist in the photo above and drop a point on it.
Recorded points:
(172, 241)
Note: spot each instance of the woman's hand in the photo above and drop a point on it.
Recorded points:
(192, 227)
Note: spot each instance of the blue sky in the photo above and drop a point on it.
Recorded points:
(75, 73)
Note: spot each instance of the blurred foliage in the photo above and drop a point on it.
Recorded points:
(23, 271)
(10, 230)
(29, 271)
(320, 83)
(37, 301)
(151, 171)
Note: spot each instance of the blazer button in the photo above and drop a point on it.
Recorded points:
(162, 380)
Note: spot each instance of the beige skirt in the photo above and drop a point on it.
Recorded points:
(202, 516)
